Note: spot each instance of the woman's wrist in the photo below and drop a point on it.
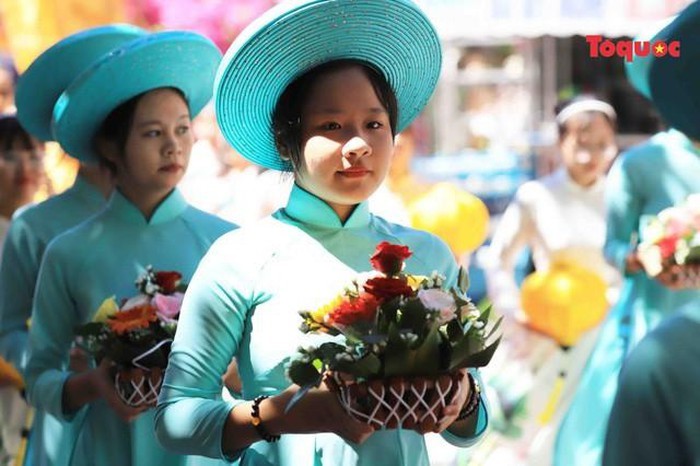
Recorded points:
(257, 421)
(471, 404)
(80, 389)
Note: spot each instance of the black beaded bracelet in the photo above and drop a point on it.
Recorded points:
(257, 423)
(472, 404)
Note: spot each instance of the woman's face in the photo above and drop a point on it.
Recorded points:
(157, 149)
(21, 173)
(346, 139)
(588, 147)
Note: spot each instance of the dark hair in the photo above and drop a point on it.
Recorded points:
(286, 118)
(12, 132)
(563, 127)
(115, 128)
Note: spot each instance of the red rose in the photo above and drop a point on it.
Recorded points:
(361, 308)
(388, 258)
(386, 288)
(168, 281)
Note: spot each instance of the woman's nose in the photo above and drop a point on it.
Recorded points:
(172, 145)
(356, 148)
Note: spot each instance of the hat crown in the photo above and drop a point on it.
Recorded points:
(40, 86)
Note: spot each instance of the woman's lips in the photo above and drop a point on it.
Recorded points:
(172, 168)
(354, 172)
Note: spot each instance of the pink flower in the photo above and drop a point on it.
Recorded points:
(438, 300)
(168, 306)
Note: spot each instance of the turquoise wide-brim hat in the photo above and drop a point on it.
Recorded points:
(180, 59)
(51, 72)
(394, 36)
(637, 70)
(675, 81)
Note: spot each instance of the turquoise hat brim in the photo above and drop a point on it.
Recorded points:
(637, 70)
(51, 72)
(394, 36)
(180, 59)
(675, 81)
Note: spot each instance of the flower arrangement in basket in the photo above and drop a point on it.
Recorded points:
(672, 240)
(136, 335)
(402, 340)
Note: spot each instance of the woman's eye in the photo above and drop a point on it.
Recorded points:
(152, 133)
(374, 125)
(330, 126)
(183, 129)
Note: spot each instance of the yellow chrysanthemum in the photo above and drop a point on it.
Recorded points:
(319, 314)
(106, 310)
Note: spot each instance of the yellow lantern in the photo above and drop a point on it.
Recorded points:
(458, 217)
(564, 301)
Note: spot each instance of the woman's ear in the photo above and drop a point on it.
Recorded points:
(108, 150)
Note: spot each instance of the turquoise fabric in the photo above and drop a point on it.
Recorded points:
(244, 301)
(30, 232)
(645, 180)
(82, 267)
(654, 419)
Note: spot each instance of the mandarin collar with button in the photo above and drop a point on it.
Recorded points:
(307, 208)
(170, 208)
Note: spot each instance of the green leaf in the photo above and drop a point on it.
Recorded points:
(328, 350)
(464, 356)
(426, 359)
(386, 315)
(367, 366)
(413, 316)
(485, 314)
(463, 280)
(395, 353)
(304, 373)
(495, 327)
(454, 330)
(89, 329)
(428, 356)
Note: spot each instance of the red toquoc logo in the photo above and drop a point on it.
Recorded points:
(631, 48)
